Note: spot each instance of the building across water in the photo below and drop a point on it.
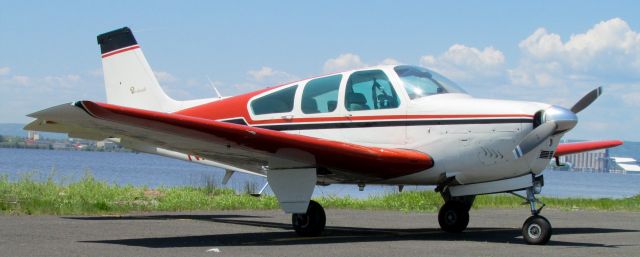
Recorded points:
(598, 161)
(626, 165)
(593, 161)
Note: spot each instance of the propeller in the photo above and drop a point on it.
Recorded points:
(586, 100)
(552, 121)
(535, 138)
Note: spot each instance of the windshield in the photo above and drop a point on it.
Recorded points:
(420, 82)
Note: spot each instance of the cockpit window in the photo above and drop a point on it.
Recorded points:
(420, 82)
(276, 102)
(370, 90)
(321, 95)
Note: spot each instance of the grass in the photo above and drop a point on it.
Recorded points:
(89, 196)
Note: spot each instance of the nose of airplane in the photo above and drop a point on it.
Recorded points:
(564, 118)
(553, 120)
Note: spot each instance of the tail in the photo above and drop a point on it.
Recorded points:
(128, 78)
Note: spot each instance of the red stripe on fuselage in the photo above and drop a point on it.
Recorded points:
(388, 118)
(121, 50)
(237, 107)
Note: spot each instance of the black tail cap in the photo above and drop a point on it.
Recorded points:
(116, 39)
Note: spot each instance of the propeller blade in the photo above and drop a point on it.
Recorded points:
(535, 138)
(586, 100)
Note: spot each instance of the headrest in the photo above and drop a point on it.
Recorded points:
(310, 106)
(356, 98)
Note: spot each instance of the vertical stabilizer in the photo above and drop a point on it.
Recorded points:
(128, 78)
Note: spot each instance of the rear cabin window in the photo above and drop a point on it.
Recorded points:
(321, 95)
(276, 102)
(370, 90)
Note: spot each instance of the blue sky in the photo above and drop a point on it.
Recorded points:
(547, 51)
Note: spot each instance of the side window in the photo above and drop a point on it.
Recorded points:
(276, 102)
(321, 95)
(370, 90)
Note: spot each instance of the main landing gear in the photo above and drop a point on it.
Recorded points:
(453, 216)
(311, 223)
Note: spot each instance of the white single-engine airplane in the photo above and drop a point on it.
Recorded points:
(392, 125)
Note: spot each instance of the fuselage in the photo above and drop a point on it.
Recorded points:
(404, 107)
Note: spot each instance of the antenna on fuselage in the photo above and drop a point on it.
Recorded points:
(214, 87)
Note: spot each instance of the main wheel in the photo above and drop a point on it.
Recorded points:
(453, 217)
(536, 230)
(310, 223)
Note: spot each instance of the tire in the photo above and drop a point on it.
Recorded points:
(453, 217)
(311, 223)
(536, 230)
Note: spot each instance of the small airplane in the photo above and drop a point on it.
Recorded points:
(389, 125)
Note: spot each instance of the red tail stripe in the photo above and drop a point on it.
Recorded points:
(121, 50)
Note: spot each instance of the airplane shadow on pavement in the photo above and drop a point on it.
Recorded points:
(332, 234)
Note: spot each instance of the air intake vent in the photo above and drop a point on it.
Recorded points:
(546, 155)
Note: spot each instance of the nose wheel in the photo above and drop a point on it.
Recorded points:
(536, 230)
(310, 223)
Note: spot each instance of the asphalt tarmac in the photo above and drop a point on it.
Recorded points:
(492, 232)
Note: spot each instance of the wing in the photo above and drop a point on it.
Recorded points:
(569, 148)
(226, 142)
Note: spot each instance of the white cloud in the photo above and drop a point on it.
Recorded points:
(558, 71)
(245, 87)
(539, 74)
(64, 80)
(19, 80)
(96, 72)
(541, 44)
(390, 61)
(268, 73)
(165, 77)
(50, 82)
(23, 94)
(267, 76)
(465, 63)
(610, 48)
(262, 73)
(343, 62)
(4, 71)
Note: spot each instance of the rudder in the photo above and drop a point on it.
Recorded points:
(129, 80)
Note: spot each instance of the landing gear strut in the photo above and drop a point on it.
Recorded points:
(536, 230)
(311, 223)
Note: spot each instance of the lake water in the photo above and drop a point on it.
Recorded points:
(154, 171)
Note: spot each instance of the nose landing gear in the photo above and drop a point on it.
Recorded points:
(454, 214)
(536, 230)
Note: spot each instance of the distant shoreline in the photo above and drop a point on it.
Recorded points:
(69, 144)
